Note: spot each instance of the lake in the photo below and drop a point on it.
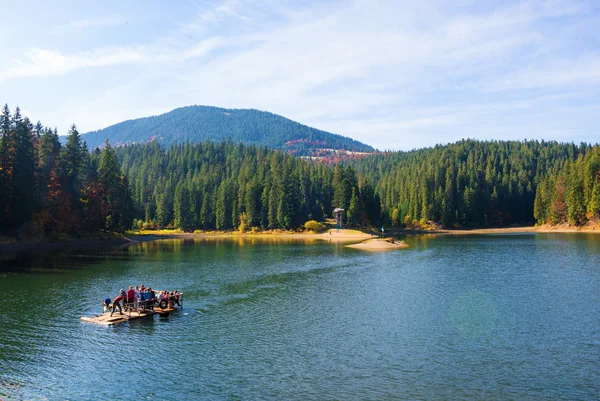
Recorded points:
(490, 317)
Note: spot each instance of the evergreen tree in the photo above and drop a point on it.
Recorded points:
(370, 204)
(182, 214)
(353, 214)
(48, 158)
(541, 204)
(223, 208)
(72, 166)
(594, 204)
(22, 202)
(109, 179)
(559, 204)
(5, 131)
(252, 199)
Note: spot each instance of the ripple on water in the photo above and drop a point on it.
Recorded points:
(449, 318)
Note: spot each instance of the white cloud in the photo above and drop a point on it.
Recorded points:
(44, 63)
(41, 62)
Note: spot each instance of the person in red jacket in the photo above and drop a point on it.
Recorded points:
(130, 295)
(116, 303)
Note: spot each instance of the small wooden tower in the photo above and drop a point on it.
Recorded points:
(340, 214)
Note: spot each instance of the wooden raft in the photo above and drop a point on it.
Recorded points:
(106, 320)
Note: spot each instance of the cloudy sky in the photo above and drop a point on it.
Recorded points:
(394, 74)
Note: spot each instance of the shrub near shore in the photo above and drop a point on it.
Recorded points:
(314, 226)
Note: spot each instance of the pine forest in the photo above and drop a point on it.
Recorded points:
(49, 188)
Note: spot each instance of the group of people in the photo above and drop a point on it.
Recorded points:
(143, 297)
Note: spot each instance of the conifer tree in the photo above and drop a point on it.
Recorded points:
(559, 204)
(22, 201)
(222, 208)
(594, 205)
(164, 205)
(353, 213)
(206, 220)
(48, 158)
(5, 129)
(109, 179)
(72, 161)
(575, 201)
(181, 212)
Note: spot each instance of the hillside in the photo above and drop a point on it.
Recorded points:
(201, 123)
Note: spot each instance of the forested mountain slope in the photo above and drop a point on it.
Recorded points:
(201, 123)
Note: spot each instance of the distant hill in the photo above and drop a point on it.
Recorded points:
(200, 123)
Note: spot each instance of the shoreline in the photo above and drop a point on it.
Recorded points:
(343, 235)
(330, 234)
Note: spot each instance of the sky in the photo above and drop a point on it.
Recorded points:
(397, 75)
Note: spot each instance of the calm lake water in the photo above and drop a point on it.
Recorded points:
(453, 317)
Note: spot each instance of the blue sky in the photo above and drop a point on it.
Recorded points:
(393, 74)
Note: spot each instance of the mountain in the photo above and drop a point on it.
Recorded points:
(201, 123)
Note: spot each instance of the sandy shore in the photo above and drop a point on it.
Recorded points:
(344, 235)
(347, 235)
(330, 235)
(377, 244)
(490, 231)
(564, 228)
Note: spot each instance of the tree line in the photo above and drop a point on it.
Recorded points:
(223, 186)
(573, 194)
(47, 188)
(486, 183)
(467, 184)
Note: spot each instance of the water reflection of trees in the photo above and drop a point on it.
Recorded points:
(54, 261)
(178, 244)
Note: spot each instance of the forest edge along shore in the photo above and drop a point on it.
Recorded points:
(16, 246)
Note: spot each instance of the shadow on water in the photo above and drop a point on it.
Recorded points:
(52, 262)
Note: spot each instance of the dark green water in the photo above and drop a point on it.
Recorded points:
(453, 317)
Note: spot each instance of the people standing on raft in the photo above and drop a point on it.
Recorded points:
(130, 296)
(116, 303)
(146, 299)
